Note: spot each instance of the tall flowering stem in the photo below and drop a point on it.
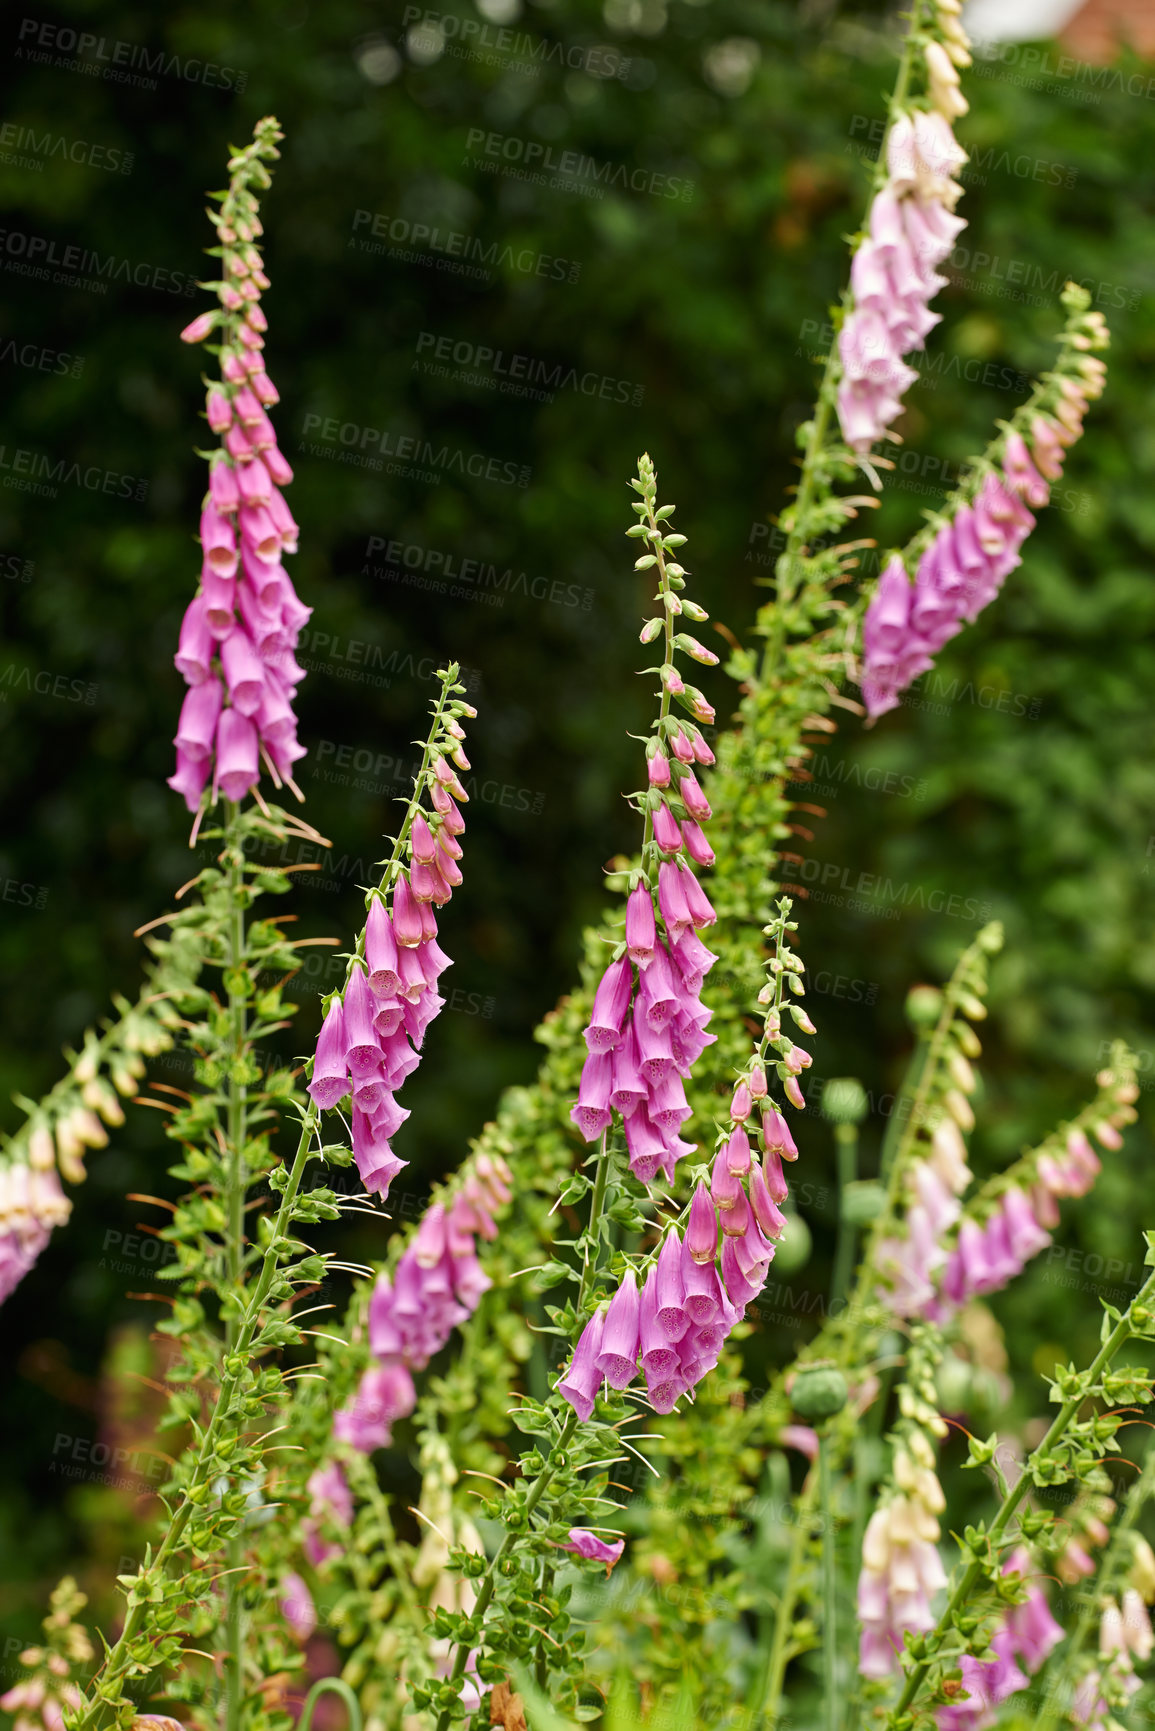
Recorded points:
(863, 377)
(240, 631)
(960, 560)
(373, 1030)
(1127, 1570)
(167, 1595)
(232, 1301)
(646, 1031)
(375, 1023)
(1071, 1443)
(927, 1166)
(1011, 1217)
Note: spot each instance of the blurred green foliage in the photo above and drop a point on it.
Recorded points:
(1017, 784)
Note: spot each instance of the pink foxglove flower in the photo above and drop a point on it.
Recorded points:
(690, 1299)
(648, 1025)
(32, 1205)
(961, 571)
(435, 1287)
(583, 1543)
(911, 230)
(247, 602)
(331, 1504)
(901, 1572)
(375, 1025)
(297, 1607)
(1021, 1645)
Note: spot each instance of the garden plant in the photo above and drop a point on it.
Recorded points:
(599, 1518)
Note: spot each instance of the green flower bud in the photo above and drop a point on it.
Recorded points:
(819, 1391)
(863, 1202)
(844, 1100)
(923, 1006)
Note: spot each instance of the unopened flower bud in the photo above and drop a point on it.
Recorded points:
(959, 1108)
(961, 1073)
(41, 1149)
(201, 327)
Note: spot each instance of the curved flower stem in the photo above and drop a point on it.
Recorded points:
(352, 1705)
(119, 1661)
(1122, 1331)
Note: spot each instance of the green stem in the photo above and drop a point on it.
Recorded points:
(846, 1152)
(597, 1202)
(541, 1669)
(363, 1477)
(236, 1189)
(927, 1074)
(205, 1465)
(665, 595)
(391, 866)
(489, 1584)
(962, 1593)
(829, 1605)
(899, 1117)
(1061, 1690)
(766, 1697)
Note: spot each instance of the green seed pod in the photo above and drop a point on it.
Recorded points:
(794, 1246)
(923, 1006)
(819, 1391)
(844, 1100)
(862, 1202)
